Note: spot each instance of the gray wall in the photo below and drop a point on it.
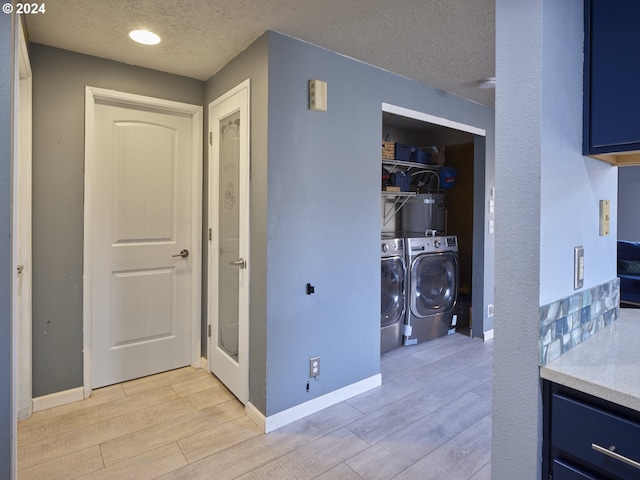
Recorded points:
(484, 257)
(250, 64)
(7, 417)
(547, 196)
(516, 397)
(315, 199)
(324, 213)
(59, 80)
(315, 207)
(628, 201)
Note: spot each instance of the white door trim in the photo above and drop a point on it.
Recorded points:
(22, 226)
(93, 95)
(425, 117)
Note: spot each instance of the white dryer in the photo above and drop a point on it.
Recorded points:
(433, 277)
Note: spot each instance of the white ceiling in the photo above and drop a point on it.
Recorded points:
(448, 44)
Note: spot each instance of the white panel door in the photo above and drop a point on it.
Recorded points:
(141, 224)
(229, 262)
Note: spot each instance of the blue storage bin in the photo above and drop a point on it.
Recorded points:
(400, 179)
(422, 157)
(404, 152)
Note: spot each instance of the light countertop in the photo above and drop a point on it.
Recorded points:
(607, 365)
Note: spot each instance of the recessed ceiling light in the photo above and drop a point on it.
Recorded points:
(144, 36)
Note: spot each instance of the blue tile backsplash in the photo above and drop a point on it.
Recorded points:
(571, 320)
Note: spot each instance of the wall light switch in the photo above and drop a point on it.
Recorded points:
(318, 95)
(605, 217)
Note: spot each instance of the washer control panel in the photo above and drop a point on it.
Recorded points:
(420, 245)
(392, 246)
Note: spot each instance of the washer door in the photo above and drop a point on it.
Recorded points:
(392, 287)
(434, 284)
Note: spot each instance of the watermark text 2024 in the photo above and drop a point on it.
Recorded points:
(25, 8)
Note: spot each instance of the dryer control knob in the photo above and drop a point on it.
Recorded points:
(385, 247)
(436, 243)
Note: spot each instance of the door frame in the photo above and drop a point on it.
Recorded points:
(23, 231)
(483, 242)
(20, 398)
(243, 88)
(95, 95)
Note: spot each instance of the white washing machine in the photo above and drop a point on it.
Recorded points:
(393, 288)
(432, 292)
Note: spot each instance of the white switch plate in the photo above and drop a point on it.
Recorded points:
(318, 95)
(605, 217)
(578, 267)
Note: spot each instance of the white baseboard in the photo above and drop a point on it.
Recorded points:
(488, 335)
(255, 415)
(57, 399)
(280, 419)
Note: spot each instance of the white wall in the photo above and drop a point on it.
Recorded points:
(571, 185)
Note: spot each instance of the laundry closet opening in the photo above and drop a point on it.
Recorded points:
(429, 176)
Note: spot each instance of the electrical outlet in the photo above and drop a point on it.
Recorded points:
(314, 367)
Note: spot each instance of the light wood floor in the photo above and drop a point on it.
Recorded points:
(431, 419)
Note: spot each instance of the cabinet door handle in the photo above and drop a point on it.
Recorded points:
(611, 453)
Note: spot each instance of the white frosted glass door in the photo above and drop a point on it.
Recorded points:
(229, 256)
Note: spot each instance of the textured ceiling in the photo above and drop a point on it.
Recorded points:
(448, 44)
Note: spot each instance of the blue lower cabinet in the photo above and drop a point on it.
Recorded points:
(588, 438)
(564, 471)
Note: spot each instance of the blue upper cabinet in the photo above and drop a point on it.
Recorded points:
(612, 81)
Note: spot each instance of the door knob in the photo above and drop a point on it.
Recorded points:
(183, 253)
(241, 262)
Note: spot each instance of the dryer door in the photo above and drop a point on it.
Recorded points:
(393, 293)
(434, 284)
